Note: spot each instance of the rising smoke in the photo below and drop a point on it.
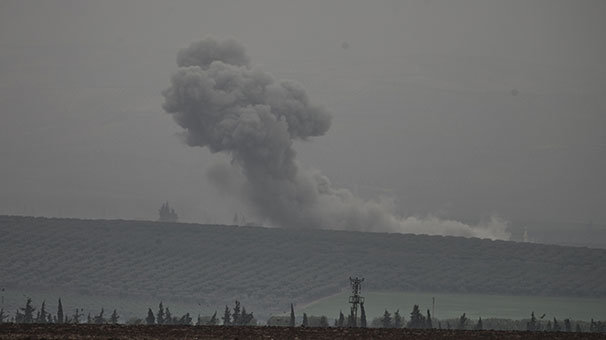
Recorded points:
(229, 106)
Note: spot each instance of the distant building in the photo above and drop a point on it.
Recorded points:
(167, 214)
(281, 321)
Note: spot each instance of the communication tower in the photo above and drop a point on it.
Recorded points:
(355, 299)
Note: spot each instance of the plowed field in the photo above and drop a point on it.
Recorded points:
(12, 331)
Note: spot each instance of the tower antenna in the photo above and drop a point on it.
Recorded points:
(355, 299)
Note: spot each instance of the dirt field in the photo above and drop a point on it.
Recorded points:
(12, 331)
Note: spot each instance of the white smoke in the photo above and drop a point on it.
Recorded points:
(227, 105)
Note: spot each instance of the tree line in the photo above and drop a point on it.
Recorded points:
(29, 314)
(238, 316)
(419, 320)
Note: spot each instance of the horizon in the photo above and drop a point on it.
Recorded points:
(505, 127)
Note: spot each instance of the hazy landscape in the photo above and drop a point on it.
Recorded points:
(133, 265)
(302, 169)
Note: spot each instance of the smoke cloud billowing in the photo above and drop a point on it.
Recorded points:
(229, 106)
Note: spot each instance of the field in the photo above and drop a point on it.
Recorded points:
(474, 305)
(219, 332)
(132, 265)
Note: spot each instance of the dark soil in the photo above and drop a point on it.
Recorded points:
(38, 331)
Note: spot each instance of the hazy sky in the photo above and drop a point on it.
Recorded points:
(462, 109)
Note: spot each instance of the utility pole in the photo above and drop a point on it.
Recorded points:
(355, 299)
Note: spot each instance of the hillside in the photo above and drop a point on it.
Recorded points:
(267, 269)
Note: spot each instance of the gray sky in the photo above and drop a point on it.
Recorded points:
(462, 109)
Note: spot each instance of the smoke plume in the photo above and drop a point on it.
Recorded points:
(225, 104)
